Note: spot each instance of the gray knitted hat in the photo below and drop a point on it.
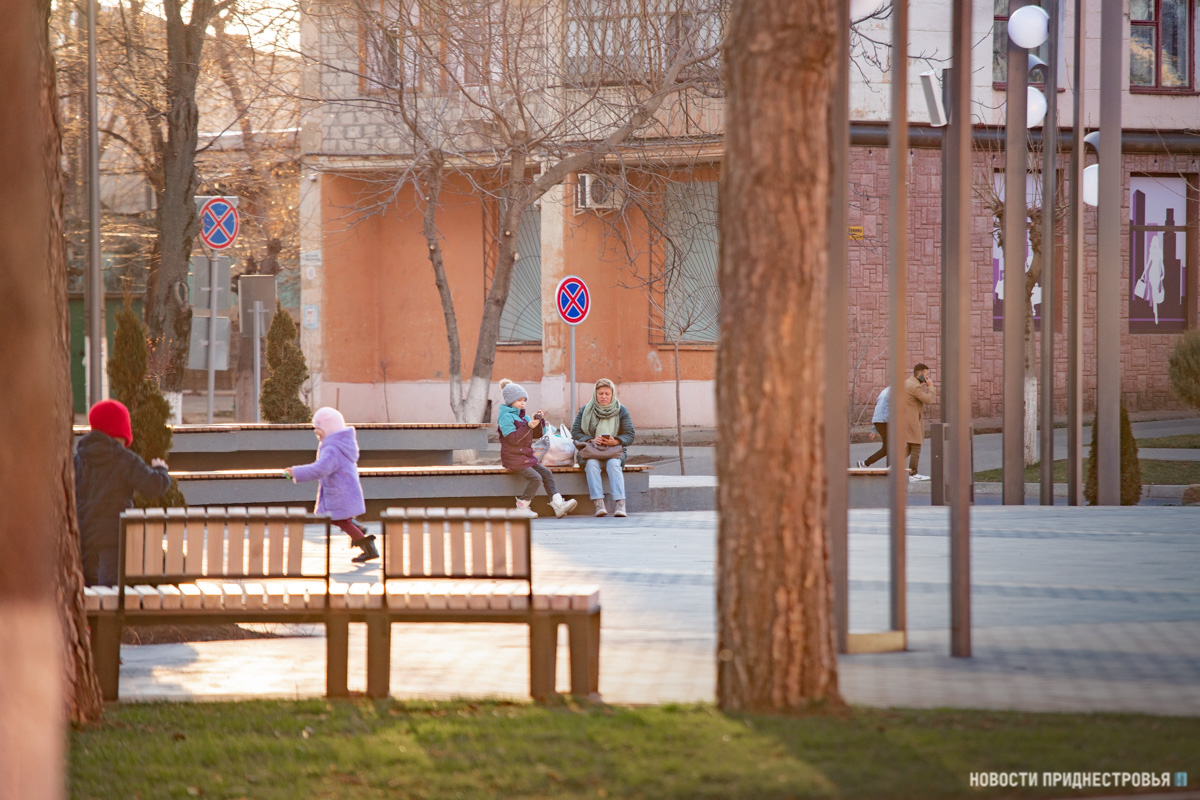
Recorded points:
(512, 392)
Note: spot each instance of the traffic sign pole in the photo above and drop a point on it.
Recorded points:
(212, 332)
(574, 303)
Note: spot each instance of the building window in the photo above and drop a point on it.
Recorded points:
(618, 41)
(392, 47)
(1160, 45)
(691, 299)
(521, 319)
(1158, 268)
(1000, 44)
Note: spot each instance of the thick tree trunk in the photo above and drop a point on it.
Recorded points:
(776, 648)
(82, 697)
(33, 459)
(168, 312)
(431, 190)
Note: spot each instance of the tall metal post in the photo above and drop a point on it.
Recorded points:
(1049, 235)
(1108, 262)
(956, 387)
(95, 279)
(258, 312)
(837, 443)
(212, 333)
(1075, 277)
(1015, 167)
(898, 307)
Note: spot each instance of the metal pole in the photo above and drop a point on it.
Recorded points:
(1075, 278)
(572, 374)
(1108, 263)
(258, 312)
(212, 333)
(1015, 166)
(897, 306)
(95, 287)
(837, 443)
(956, 387)
(1049, 228)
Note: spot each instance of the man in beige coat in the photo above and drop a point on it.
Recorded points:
(918, 393)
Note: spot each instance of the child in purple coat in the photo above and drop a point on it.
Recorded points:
(339, 494)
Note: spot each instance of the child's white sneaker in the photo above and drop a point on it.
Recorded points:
(523, 505)
(562, 507)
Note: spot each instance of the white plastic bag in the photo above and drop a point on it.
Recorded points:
(561, 449)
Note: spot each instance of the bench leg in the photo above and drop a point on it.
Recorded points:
(337, 646)
(594, 653)
(379, 655)
(583, 636)
(106, 654)
(543, 644)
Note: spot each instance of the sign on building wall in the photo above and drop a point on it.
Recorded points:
(1157, 254)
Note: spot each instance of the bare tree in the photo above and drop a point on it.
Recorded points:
(775, 634)
(510, 98)
(989, 189)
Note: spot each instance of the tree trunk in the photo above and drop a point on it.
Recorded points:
(776, 648)
(34, 462)
(1031, 386)
(431, 189)
(678, 411)
(168, 312)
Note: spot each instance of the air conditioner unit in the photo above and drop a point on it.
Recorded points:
(597, 192)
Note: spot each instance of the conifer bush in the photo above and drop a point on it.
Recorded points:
(1185, 368)
(148, 409)
(286, 372)
(1131, 468)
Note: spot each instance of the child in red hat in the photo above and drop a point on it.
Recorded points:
(106, 476)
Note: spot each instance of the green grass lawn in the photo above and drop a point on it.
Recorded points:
(1190, 440)
(387, 749)
(1157, 472)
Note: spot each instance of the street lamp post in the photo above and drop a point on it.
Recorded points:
(1049, 227)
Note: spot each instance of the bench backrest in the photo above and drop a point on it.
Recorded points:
(182, 544)
(456, 543)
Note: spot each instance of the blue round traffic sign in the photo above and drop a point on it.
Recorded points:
(573, 300)
(218, 223)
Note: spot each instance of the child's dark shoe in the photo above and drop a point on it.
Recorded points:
(369, 550)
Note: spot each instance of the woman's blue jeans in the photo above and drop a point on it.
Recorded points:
(616, 478)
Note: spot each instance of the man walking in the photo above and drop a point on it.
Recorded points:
(918, 393)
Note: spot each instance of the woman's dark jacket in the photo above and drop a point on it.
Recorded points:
(106, 476)
(625, 433)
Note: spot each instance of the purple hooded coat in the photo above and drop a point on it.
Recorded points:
(336, 468)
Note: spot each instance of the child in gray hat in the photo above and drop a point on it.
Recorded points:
(516, 449)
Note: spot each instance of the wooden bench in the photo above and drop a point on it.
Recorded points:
(475, 566)
(384, 487)
(200, 566)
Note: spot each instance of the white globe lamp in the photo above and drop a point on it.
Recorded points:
(1035, 107)
(1091, 185)
(1029, 26)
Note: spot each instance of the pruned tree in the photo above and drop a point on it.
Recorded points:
(775, 634)
(989, 188)
(509, 98)
(286, 373)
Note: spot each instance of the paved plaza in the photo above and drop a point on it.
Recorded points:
(1074, 610)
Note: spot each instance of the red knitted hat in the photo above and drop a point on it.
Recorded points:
(112, 417)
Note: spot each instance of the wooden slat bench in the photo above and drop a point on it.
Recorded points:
(199, 566)
(384, 487)
(475, 566)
